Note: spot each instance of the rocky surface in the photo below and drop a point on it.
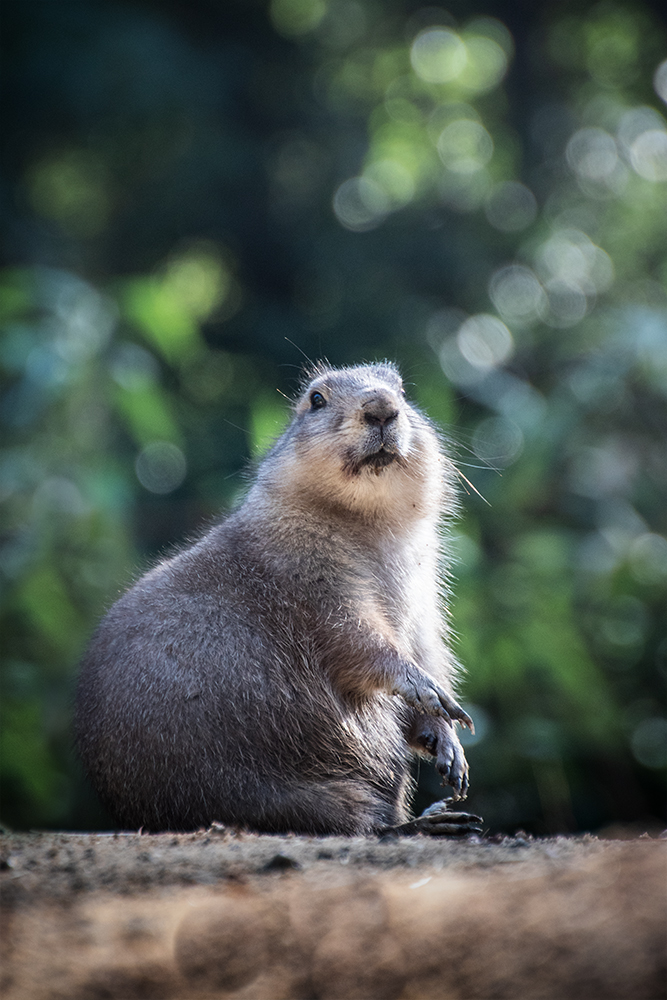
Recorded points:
(218, 914)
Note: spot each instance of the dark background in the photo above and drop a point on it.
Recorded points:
(198, 194)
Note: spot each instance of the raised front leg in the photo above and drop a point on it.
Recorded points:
(364, 662)
(437, 737)
(422, 692)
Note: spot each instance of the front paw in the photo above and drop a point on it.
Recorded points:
(438, 738)
(450, 760)
(422, 692)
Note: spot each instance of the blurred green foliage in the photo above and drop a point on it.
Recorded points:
(197, 193)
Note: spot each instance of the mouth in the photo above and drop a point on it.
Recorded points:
(379, 459)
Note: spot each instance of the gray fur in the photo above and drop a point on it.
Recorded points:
(279, 673)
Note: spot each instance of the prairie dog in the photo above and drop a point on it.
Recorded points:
(279, 673)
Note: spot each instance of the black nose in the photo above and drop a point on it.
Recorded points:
(377, 421)
(380, 410)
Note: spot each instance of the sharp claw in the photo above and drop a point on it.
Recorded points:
(441, 812)
(455, 783)
(465, 720)
(460, 817)
(455, 712)
(453, 829)
(437, 820)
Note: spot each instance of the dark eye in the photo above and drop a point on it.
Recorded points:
(317, 400)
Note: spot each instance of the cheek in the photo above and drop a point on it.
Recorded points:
(350, 428)
(401, 434)
(317, 460)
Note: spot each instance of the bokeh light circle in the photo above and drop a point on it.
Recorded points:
(648, 155)
(438, 55)
(517, 294)
(511, 207)
(161, 467)
(497, 441)
(465, 146)
(360, 204)
(591, 153)
(484, 341)
(660, 81)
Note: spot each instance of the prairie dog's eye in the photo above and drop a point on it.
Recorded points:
(317, 400)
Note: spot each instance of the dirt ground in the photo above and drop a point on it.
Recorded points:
(217, 914)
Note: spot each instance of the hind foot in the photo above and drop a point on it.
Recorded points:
(439, 821)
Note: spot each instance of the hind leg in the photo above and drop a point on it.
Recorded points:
(328, 807)
(439, 821)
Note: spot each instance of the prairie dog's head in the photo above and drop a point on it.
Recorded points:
(362, 413)
(356, 443)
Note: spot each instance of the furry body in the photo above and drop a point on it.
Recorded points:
(279, 674)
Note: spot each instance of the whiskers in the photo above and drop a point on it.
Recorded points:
(466, 482)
